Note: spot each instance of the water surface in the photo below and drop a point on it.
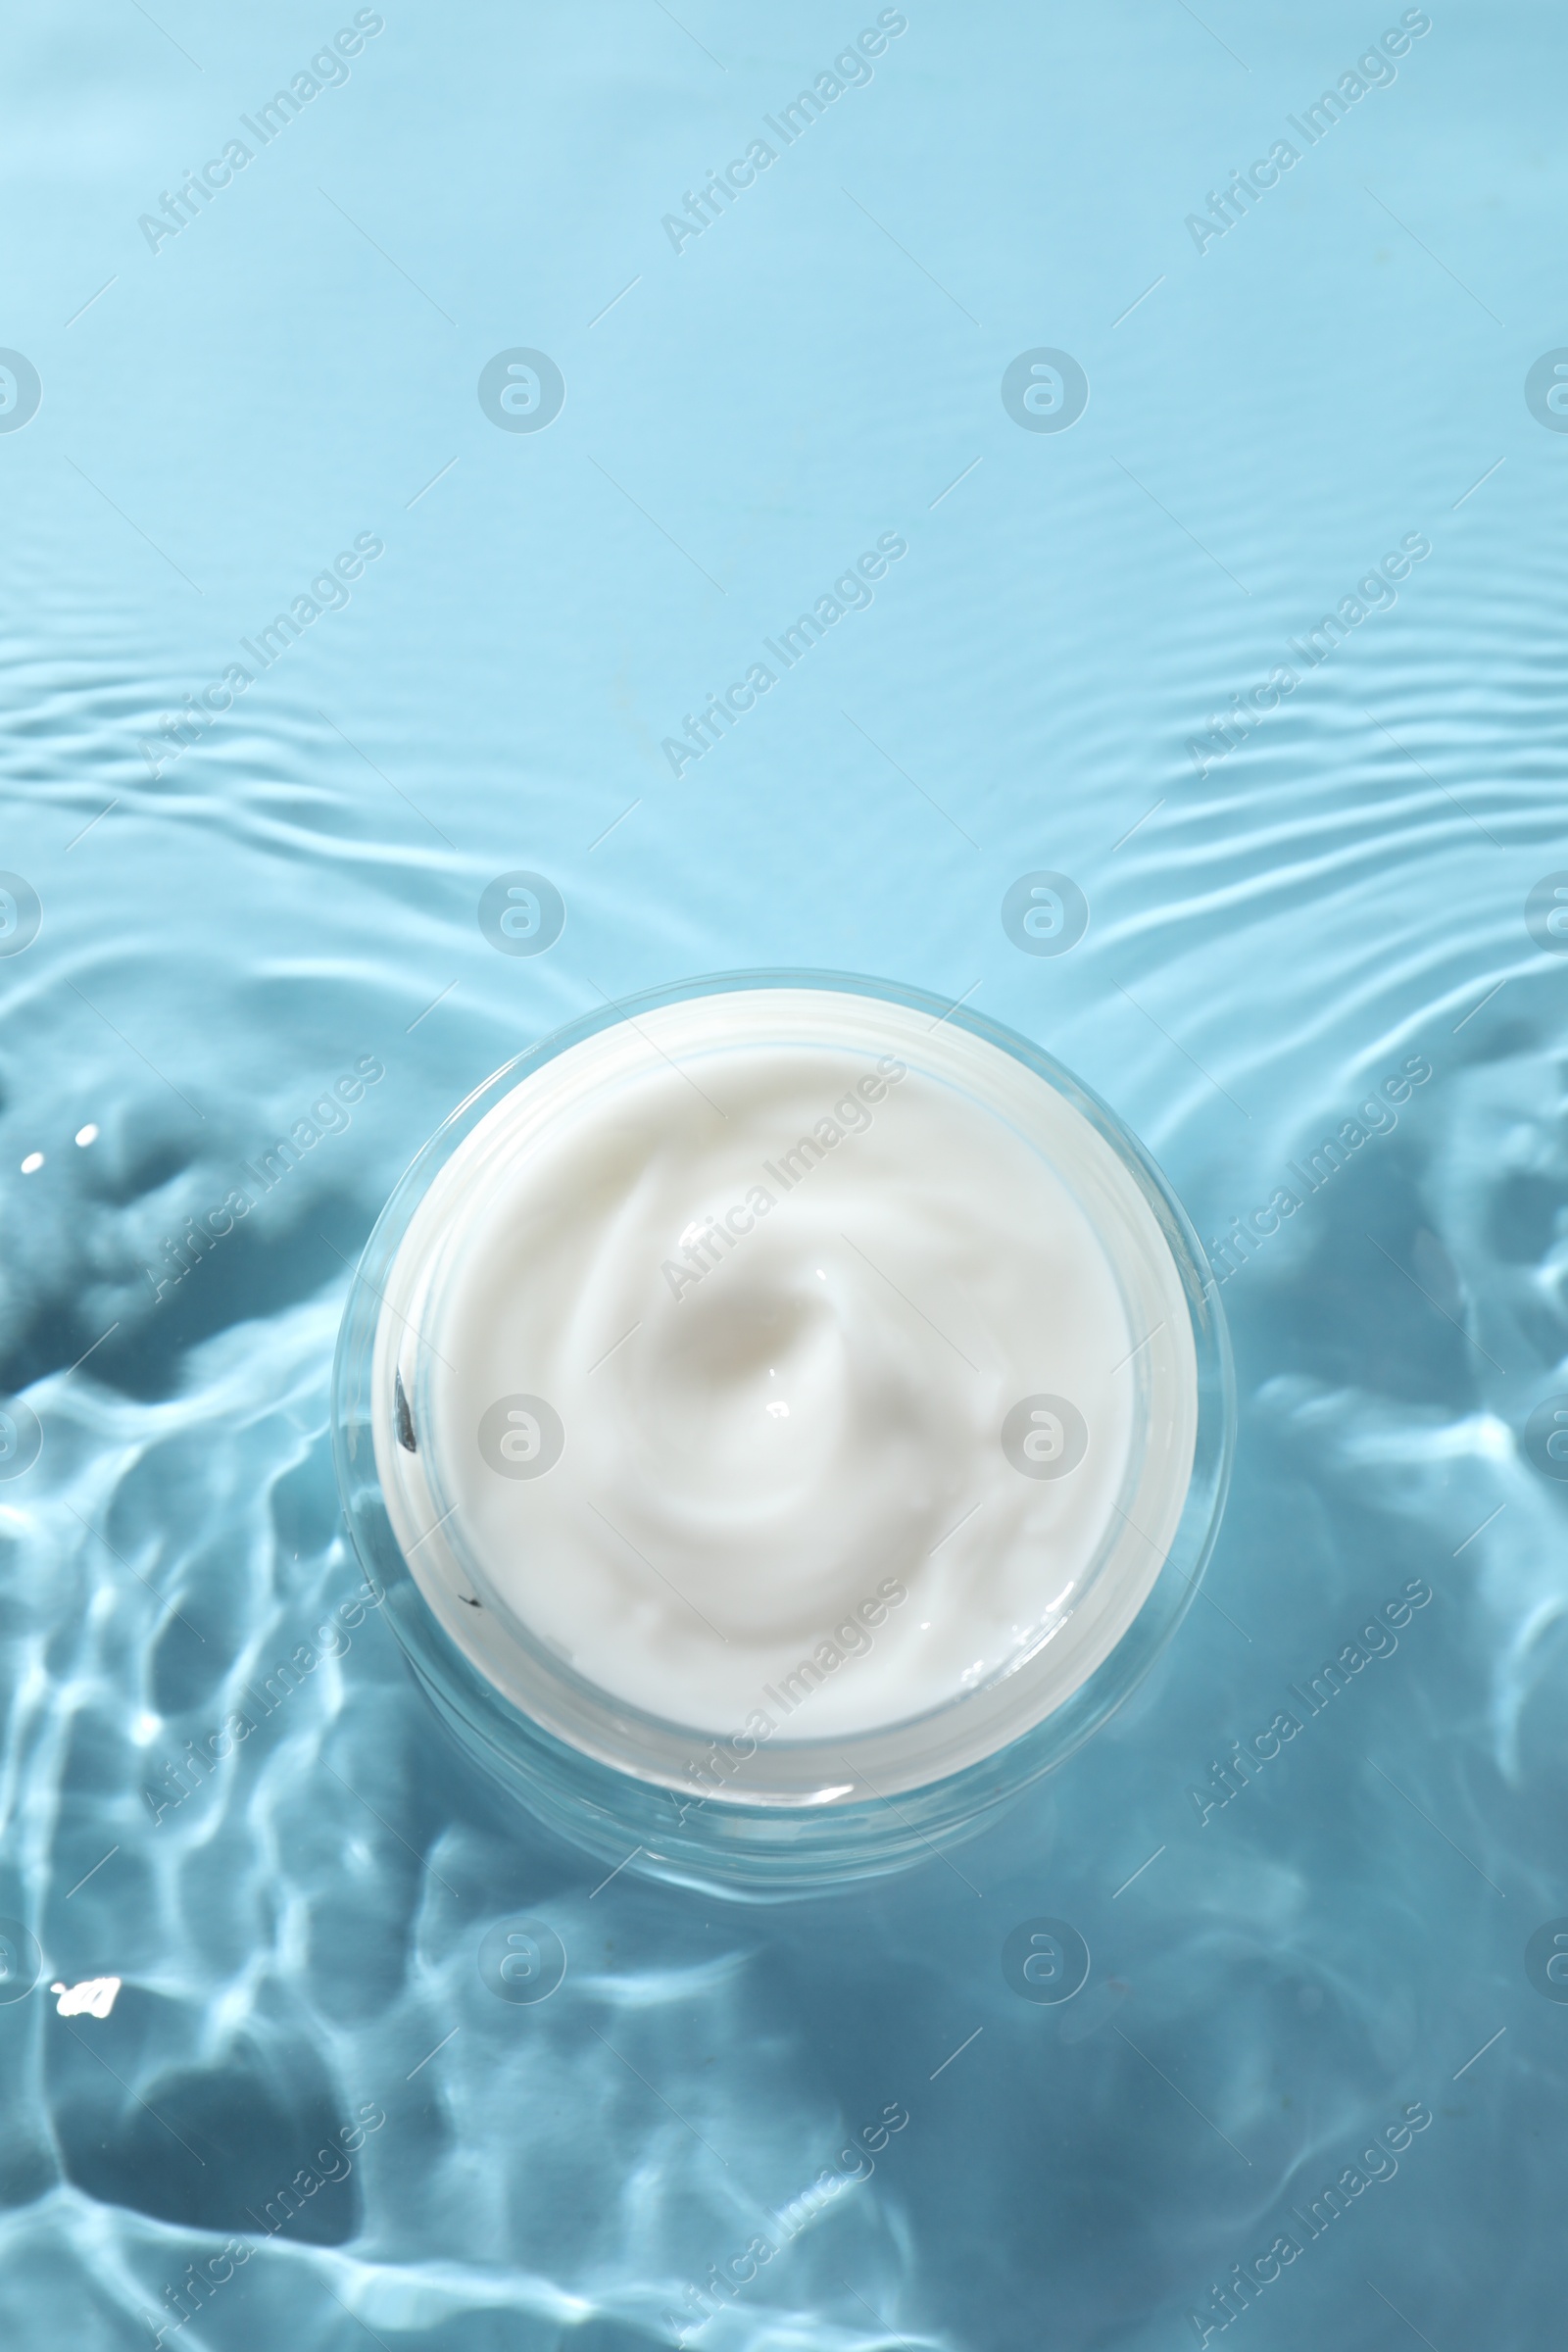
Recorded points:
(1283, 919)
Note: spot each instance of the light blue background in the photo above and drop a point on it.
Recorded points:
(222, 939)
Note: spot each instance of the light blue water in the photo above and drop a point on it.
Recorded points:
(227, 933)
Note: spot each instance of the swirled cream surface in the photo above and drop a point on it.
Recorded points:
(783, 1366)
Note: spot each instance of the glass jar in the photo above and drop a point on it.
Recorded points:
(476, 1523)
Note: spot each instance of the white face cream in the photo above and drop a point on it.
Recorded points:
(783, 1368)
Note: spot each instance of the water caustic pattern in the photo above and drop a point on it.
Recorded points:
(318, 628)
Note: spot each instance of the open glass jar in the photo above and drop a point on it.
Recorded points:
(786, 1415)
